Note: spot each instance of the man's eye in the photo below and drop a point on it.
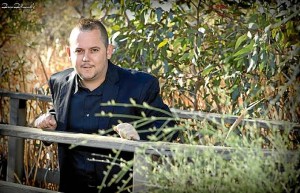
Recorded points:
(94, 50)
(78, 51)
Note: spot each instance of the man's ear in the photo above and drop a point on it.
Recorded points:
(68, 51)
(109, 51)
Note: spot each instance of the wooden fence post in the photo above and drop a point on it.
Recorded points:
(140, 167)
(15, 159)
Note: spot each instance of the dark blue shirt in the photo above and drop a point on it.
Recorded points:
(83, 107)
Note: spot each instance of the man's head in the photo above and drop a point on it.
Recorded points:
(89, 52)
(92, 24)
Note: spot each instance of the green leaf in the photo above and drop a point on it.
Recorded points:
(261, 67)
(253, 26)
(267, 29)
(253, 61)
(178, 42)
(240, 40)
(115, 27)
(158, 13)
(146, 105)
(163, 43)
(132, 101)
(235, 94)
(207, 70)
(245, 50)
(186, 56)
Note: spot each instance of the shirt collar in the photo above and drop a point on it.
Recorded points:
(111, 76)
(78, 85)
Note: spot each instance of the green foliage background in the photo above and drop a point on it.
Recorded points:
(218, 56)
(214, 56)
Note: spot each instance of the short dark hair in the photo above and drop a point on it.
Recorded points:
(87, 24)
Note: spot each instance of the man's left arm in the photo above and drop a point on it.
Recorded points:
(162, 116)
(159, 116)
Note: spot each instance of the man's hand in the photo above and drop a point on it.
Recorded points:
(46, 121)
(127, 131)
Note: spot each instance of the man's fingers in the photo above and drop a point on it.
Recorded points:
(127, 131)
(131, 133)
(46, 121)
(52, 123)
(133, 136)
(115, 128)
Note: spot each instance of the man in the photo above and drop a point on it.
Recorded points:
(77, 94)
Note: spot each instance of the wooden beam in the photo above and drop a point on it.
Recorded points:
(90, 140)
(48, 176)
(25, 96)
(199, 115)
(139, 179)
(230, 119)
(15, 164)
(106, 142)
(9, 187)
(94, 140)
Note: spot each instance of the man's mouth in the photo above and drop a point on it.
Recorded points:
(86, 66)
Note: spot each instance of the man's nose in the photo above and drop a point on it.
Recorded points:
(85, 57)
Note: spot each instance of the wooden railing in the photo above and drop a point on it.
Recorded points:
(18, 100)
(17, 132)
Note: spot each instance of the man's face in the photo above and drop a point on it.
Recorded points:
(89, 56)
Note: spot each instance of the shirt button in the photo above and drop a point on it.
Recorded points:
(87, 115)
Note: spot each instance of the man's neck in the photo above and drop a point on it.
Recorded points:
(91, 85)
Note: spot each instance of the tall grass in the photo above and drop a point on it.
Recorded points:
(209, 157)
(214, 158)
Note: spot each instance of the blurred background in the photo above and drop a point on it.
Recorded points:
(219, 56)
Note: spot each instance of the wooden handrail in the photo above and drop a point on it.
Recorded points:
(25, 96)
(199, 115)
(9, 187)
(89, 140)
(107, 142)
(94, 140)
(230, 119)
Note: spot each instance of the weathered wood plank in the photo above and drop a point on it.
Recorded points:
(15, 165)
(69, 138)
(199, 115)
(139, 180)
(106, 142)
(9, 187)
(25, 96)
(48, 176)
(94, 140)
(230, 119)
